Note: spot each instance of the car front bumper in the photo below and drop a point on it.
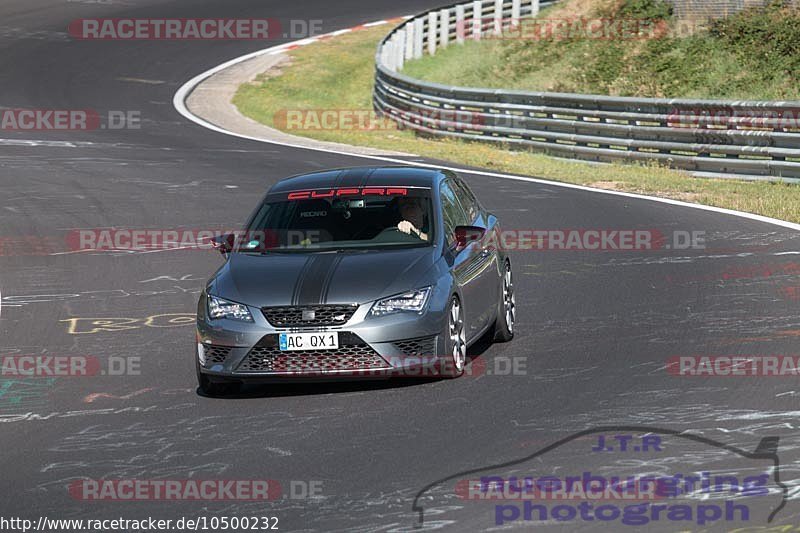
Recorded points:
(402, 344)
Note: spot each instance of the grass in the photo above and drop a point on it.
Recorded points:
(751, 55)
(338, 74)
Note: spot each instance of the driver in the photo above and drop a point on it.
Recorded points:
(413, 217)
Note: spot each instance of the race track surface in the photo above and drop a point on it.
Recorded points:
(595, 328)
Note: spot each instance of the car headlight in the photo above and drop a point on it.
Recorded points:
(219, 308)
(413, 301)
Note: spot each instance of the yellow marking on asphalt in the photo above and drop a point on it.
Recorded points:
(140, 80)
(78, 326)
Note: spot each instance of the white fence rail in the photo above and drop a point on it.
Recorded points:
(749, 140)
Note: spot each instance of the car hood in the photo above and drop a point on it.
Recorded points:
(335, 278)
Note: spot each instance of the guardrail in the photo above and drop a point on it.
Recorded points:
(710, 138)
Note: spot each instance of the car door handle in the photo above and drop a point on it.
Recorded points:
(486, 253)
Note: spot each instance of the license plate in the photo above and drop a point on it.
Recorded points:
(290, 342)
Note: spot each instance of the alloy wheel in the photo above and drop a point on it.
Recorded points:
(509, 303)
(458, 340)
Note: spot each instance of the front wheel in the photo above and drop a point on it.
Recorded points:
(455, 357)
(507, 312)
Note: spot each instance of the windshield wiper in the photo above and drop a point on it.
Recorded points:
(264, 252)
(341, 250)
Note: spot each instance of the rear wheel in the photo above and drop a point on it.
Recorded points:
(507, 313)
(455, 356)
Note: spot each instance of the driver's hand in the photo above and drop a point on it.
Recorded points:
(406, 227)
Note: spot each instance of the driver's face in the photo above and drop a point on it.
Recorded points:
(410, 209)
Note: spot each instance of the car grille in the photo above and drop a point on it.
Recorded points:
(415, 347)
(215, 355)
(352, 354)
(324, 315)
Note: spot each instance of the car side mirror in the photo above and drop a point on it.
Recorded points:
(466, 234)
(223, 243)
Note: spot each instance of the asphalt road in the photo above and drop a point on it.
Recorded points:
(595, 329)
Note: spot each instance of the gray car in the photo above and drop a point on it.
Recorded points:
(355, 273)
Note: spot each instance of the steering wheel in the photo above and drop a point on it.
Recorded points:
(366, 230)
(389, 233)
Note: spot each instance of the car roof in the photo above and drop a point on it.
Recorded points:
(406, 176)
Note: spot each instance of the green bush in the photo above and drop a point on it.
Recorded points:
(638, 9)
(645, 9)
(766, 39)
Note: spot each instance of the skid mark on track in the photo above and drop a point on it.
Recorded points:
(100, 295)
(162, 449)
(91, 398)
(31, 416)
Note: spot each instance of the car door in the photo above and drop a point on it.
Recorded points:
(466, 263)
(485, 263)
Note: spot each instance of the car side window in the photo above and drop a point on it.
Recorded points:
(468, 200)
(452, 211)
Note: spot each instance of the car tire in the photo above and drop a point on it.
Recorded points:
(454, 359)
(213, 388)
(507, 310)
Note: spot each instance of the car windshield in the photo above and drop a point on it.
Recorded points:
(340, 219)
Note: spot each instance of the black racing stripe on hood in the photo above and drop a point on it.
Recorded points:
(354, 177)
(314, 278)
(299, 281)
(365, 178)
(326, 285)
(338, 180)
